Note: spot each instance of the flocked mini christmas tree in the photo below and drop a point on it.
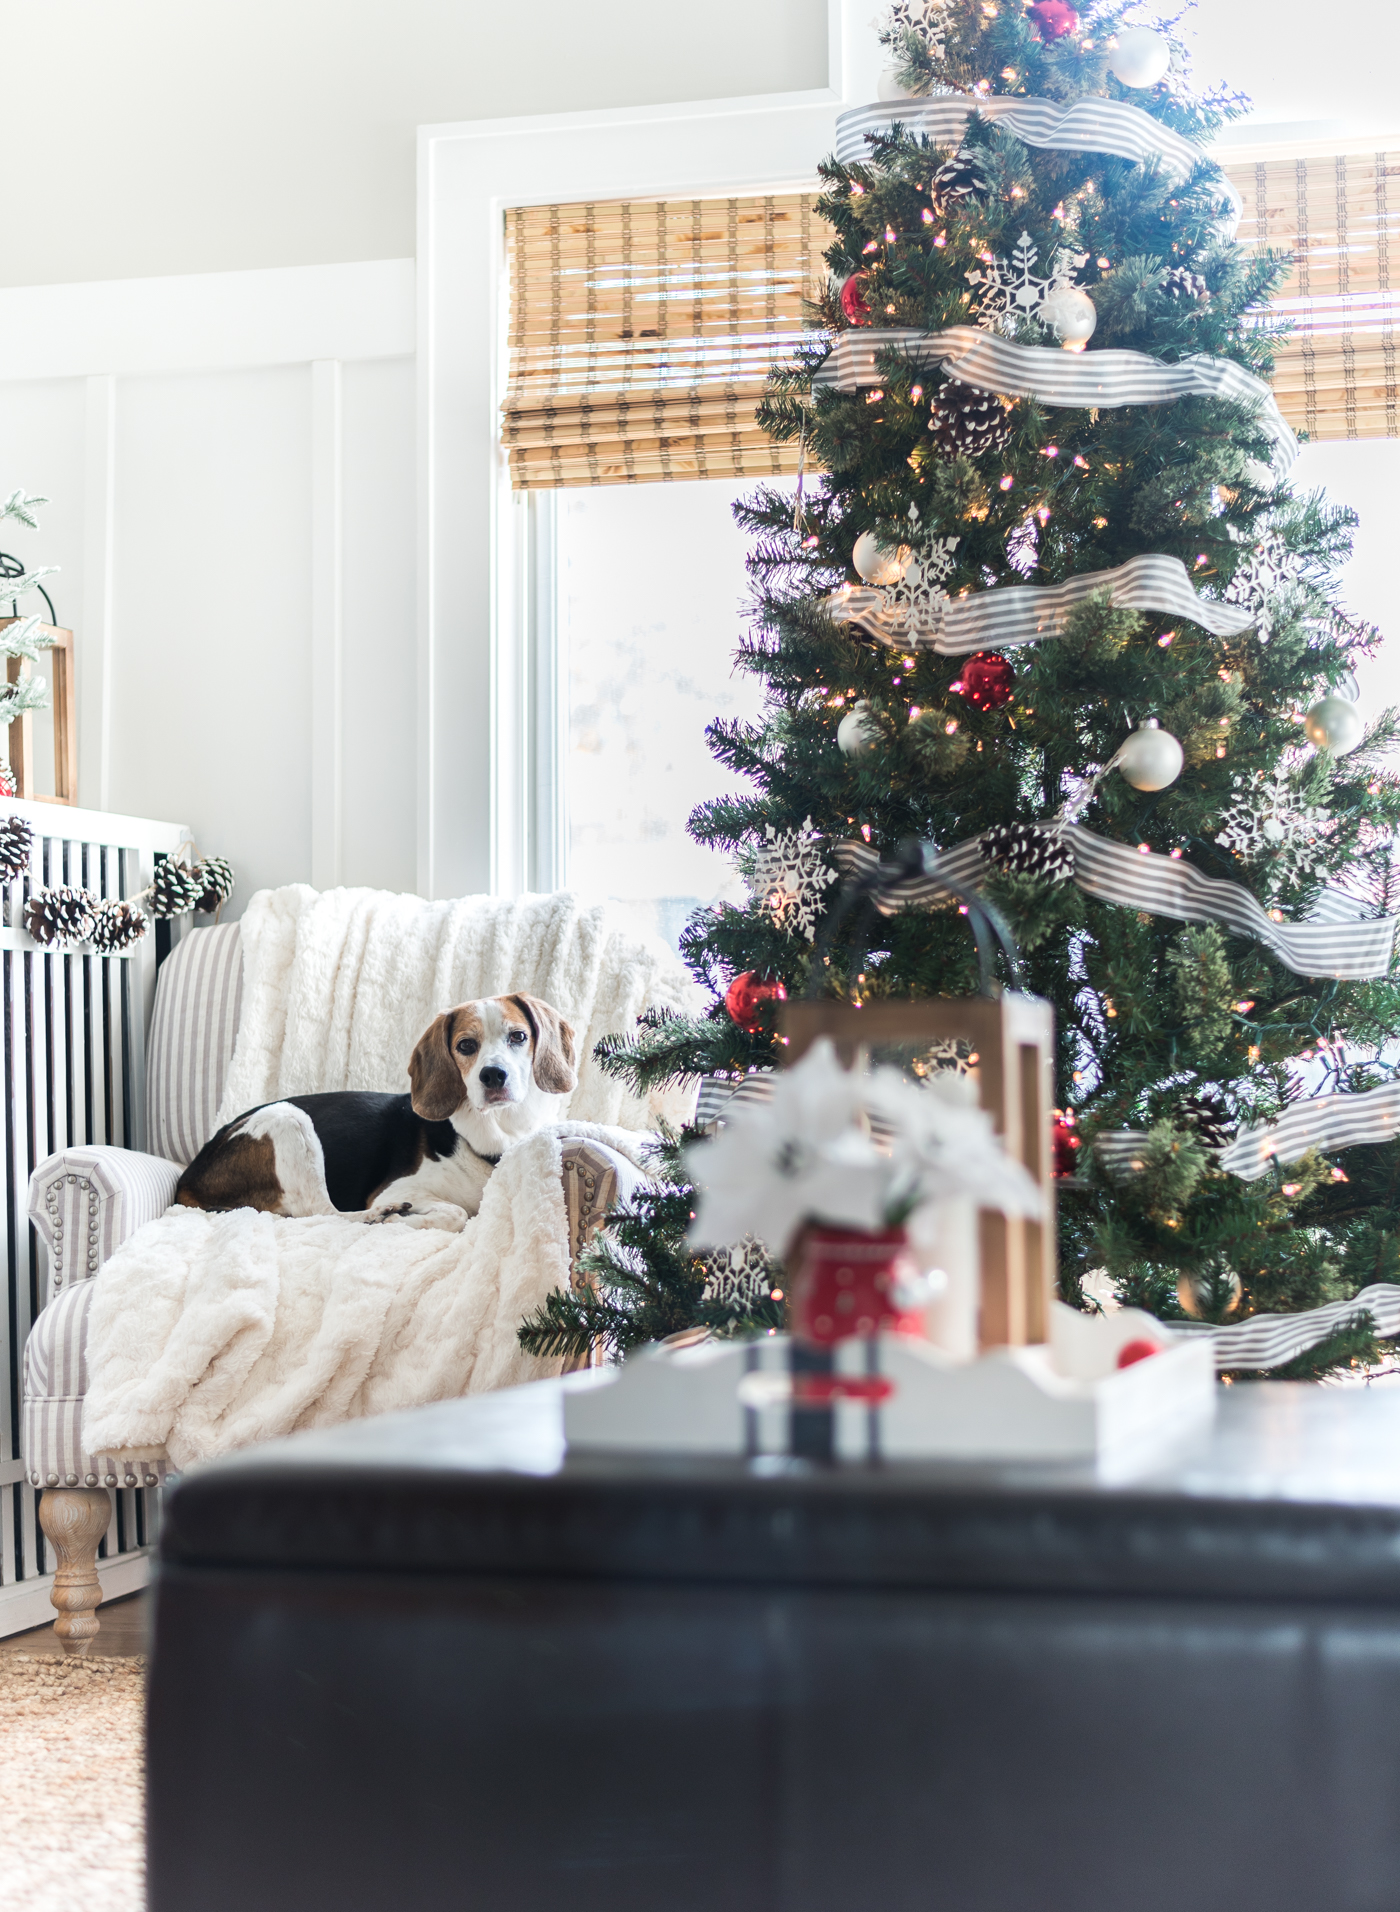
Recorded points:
(1049, 604)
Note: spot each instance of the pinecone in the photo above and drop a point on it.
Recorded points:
(116, 926)
(1028, 849)
(966, 420)
(958, 180)
(60, 915)
(174, 889)
(16, 840)
(1181, 283)
(216, 875)
(1209, 1117)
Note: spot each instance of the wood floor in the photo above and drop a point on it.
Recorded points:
(123, 1634)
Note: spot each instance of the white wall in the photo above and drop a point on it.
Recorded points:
(183, 525)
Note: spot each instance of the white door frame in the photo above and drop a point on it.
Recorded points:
(480, 778)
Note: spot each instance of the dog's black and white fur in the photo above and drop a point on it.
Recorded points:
(485, 1074)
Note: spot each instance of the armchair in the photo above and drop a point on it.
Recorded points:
(85, 1202)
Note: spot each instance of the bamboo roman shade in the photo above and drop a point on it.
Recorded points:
(641, 333)
(1340, 217)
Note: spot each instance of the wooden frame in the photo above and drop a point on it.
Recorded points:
(64, 711)
(1012, 1042)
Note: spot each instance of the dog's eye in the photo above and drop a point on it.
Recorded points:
(467, 1046)
(517, 1036)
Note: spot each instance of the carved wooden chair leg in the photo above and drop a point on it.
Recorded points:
(74, 1520)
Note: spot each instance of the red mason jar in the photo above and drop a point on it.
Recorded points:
(842, 1284)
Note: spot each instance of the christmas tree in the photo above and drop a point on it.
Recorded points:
(1048, 604)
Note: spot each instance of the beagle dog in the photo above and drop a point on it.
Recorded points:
(483, 1075)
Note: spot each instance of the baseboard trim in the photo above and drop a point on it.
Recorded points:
(26, 1603)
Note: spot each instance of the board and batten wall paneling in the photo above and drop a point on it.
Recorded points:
(233, 517)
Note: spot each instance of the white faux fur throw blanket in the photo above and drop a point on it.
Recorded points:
(338, 987)
(208, 1332)
(211, 1331)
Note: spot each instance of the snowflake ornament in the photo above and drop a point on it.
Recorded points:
(738, 1279)
(913, 608)
(1269, 571)
(788, 877)
(1266, 824)
(1013, 291)
(927, 18)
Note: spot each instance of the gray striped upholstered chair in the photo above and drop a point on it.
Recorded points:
(84, 1202)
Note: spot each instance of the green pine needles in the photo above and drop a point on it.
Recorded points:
(1152, 1019)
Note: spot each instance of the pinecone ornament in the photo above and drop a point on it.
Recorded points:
(116, 926)
(1181, 283)
(175, 888)
(16, 840)
(8, 786)
(216, 875)
(968, 421)
(60, 915)
(1210, 1119)
(1028, 849)
(957, 181)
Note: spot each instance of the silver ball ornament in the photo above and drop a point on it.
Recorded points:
(1334, 724)
(1074, 316)
(1151, 758)
(857, 731)
(878, 563)
(1261, 476)
(1140, 58)
(1209, 1290)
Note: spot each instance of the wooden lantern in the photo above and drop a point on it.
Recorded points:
(57, 666)
(1011, 1058)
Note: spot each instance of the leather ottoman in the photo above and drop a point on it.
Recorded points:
(426, 1661)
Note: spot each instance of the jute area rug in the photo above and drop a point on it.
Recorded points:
(71, 1779)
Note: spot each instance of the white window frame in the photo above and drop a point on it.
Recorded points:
(491, 717)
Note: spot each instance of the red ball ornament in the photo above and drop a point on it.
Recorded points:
(1065, 1145)
(1052, 19)
(748, 995)
(853, 305)
(987, 680)
(1132, 1352)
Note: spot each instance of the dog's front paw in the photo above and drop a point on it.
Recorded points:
(444, 1215)
(389, 1212)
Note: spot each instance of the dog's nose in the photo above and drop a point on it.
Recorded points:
(493, 1078)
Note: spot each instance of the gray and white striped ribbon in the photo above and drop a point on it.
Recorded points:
(1086, 126)
(1166, 887)
(1080, 380)
(1323, 1122)
(1267, 1341)
(720, 1096)
(1013, 614)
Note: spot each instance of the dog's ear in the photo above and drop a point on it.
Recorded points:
(438, 1090)
(554, 1045)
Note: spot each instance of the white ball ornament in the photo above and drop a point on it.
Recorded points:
(878, 563)
(857, 731)
(1140, 58)
(1259, 475)
(1151, 758)
(1334, 724)
(890, 87)
(1074, 316)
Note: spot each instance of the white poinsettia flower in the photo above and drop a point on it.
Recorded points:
(945, 1148)
(804, 1156)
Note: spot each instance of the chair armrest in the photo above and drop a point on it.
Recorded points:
(86, 1202)
(597, 1179)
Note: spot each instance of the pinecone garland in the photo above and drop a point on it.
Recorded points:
(1210, 1119)
(60, 915)
(968, 421)
(1028, 849)
(958, 180)
(175, 888)
(16, 840)
(116, 926)
(1181, 283)
(216, 875)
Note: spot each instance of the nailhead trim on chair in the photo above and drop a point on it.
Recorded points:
(83, 1182)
